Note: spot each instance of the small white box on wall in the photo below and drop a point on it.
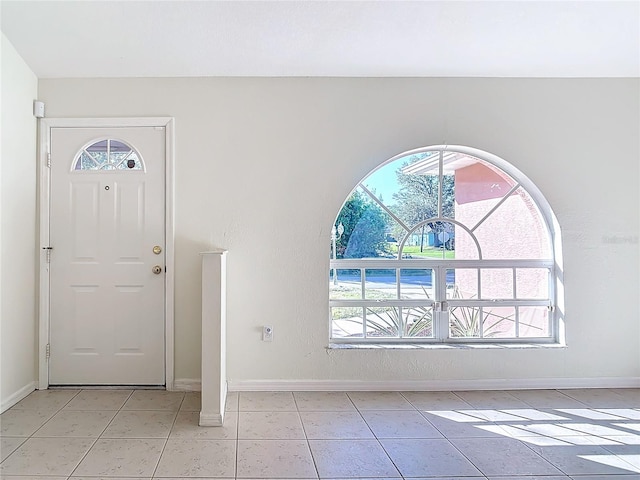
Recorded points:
(38, 109)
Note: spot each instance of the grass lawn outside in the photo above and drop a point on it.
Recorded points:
(427, 252)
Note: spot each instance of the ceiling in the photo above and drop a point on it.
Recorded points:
(515, 38)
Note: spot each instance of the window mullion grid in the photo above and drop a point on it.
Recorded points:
(388, 264)
(401, 319)
(480, 312)
(364, 308)
(492, 303)
(384, 207)
(553, 314)
(496, 206)
(553, 326)
(124, 159)
(440, 321)
(440, 179)
(441, 317)
(515, 296)
(96, 163)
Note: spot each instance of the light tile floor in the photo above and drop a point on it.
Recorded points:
(144, 434)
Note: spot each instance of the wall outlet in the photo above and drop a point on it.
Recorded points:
(267, 333)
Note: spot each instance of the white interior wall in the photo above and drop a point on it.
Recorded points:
(17, 227)
(264, 164)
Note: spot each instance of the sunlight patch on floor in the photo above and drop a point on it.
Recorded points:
(625, 462)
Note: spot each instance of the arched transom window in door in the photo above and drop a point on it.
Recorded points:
(444, 244)
(108, 154)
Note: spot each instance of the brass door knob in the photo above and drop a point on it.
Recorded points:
(157, 269)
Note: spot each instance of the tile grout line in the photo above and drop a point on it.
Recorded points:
(235, 468)
(526, 444)
(155, 470)
(530, 447)
(449, 441)
(98, 436)
(29, 437)
(376, 437)
(388, 456)
(306, 438)
(465, 456)
(422, 413)
(55, 412)
(24, 439)
(560, 471)
(444, 437)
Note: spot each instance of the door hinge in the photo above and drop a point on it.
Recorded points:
(48, 253)
(49, 159)
(48, 351)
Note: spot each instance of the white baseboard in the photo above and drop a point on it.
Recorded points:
(7, 403)
(430, 385)
(187, 385)
(212, 420)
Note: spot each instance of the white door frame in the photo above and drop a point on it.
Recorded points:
(44, 203)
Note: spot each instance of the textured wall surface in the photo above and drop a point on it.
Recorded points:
(263, 166)
(18, 225)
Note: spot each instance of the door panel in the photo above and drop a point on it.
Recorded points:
(129, 220)
(85, 208)
(107, 307)
(84, 300)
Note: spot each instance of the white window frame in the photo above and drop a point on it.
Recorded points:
(440, 303)
(100, 168)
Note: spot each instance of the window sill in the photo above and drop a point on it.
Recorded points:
(444, 346)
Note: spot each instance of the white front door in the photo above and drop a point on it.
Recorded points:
(107, 257)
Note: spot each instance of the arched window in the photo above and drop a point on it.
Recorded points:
(108, 154)
(445, 244)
